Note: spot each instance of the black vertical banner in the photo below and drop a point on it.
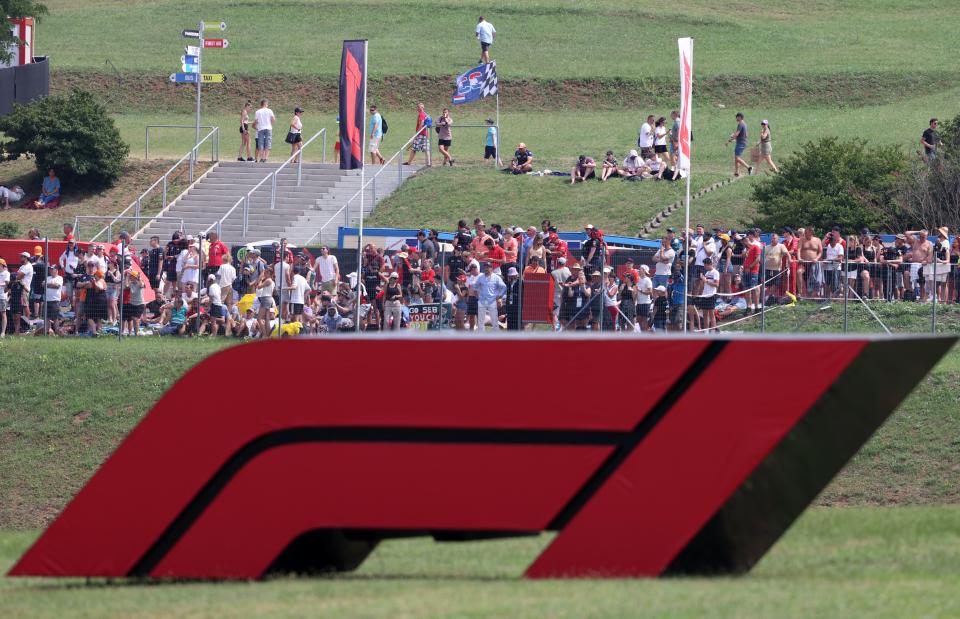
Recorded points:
(353, 70)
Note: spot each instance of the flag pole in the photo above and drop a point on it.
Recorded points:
(686, 202)
(356, 298)
(497, 145)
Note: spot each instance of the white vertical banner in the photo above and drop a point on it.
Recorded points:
(686, 100)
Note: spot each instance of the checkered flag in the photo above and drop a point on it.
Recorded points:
(489, 87)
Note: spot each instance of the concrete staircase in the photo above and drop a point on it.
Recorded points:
(299, 211)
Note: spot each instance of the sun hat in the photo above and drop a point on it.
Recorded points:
(512, 271)
(945, 231)
(37, 250)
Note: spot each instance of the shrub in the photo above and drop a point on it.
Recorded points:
(9, 230)
(71, 134)
(833, 182)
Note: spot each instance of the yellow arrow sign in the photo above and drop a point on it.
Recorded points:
(212, 78)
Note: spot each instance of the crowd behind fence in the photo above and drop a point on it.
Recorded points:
(476, 279)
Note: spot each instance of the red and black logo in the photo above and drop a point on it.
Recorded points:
(660, 456)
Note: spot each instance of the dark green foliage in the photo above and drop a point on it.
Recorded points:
(71, 134)
(930, 192)
(833, 182)
(9, 230)
(16, 8)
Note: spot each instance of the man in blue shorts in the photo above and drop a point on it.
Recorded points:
(740, 135)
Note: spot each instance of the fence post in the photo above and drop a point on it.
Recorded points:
(136, 214)
(76, 226)
(933, 317)
(146, 142)
(299, 168)
(323, 154)
(164, 204)
(246, 213)
(273, 191)
(763, 290)
(846, 286)
(374, 190)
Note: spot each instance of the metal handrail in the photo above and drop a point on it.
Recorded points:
(273, 192)
(372, 180)
(77, 218)
(214, 146)
(163, 179)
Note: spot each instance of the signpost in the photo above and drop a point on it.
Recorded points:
(191, 66)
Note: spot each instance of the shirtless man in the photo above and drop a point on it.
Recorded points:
(811, 251)
(921, 252)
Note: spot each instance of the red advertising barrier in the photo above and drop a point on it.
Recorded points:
(657, 483)
(537, 298)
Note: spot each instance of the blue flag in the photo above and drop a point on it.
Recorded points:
(476, 83)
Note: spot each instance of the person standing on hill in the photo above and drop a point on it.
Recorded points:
(675, 137)
(490, 145)
(420, 141)
(376, 134)
(263, 121)
(740, 136)
(245, 132)
(486, 33)
(645, 141)
(445, 137)
(930, 141)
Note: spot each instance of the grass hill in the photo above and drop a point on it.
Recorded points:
(576, 78)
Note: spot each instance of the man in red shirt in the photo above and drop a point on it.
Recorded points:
(215, 253)
(68, 232)
(751, 270)
(494, 255)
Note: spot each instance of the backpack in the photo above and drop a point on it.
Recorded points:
(383, 124)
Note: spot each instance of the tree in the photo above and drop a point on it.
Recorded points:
(833, 183)
(930, 193)
(16, 8)
(71, 134)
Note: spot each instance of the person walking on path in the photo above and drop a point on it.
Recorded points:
(245, 132)
(486, 33)
(445, 137)
(766, 147)
(295, 134)
(263, 121)
(419, 144)
(376, 135)
(740, 136)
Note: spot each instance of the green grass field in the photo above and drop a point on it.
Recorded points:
(836, 562)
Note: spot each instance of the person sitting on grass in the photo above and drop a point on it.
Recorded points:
(178, 317)
(586, 168)
(522, 161)
(50, 190)
(609, 166)
(10, 195)
(633, 167)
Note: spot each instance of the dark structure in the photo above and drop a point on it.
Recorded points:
(24, 83)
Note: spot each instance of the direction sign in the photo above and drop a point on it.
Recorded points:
(189, 59)
(217, 43)
(189, 68)
(214, 24)
(191, 50)
(183, 78)
(191, 34)
(213, 78)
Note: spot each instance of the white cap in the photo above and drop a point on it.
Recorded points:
(661, 288)
(644, 268)
(633, 153)
(512, 271)
(561, 260)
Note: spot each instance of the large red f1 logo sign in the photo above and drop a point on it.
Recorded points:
(694, 457)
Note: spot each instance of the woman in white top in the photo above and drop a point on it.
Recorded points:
(294, 137)
(660, 137)
(190, 273)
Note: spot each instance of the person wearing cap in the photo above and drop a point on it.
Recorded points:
(643, 296)
(95, 301)
(633, 166)
(4, 285)
(705, 248)
(490, 290)
(36, 285)
(941, 257)
(420, 142)
(392, 302)
(490, 144)
(494, 256)
(559, 275)
(658, 320)
(511, 302)
(134, 283)
(585, 168)
(891, 259)
(522, 161)
(707, 301)
(376, 135)
(25, 277)
(263, 120)
(663, 259)
(295, 134)
(511, 249)
(766, 147)
(264, 289)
